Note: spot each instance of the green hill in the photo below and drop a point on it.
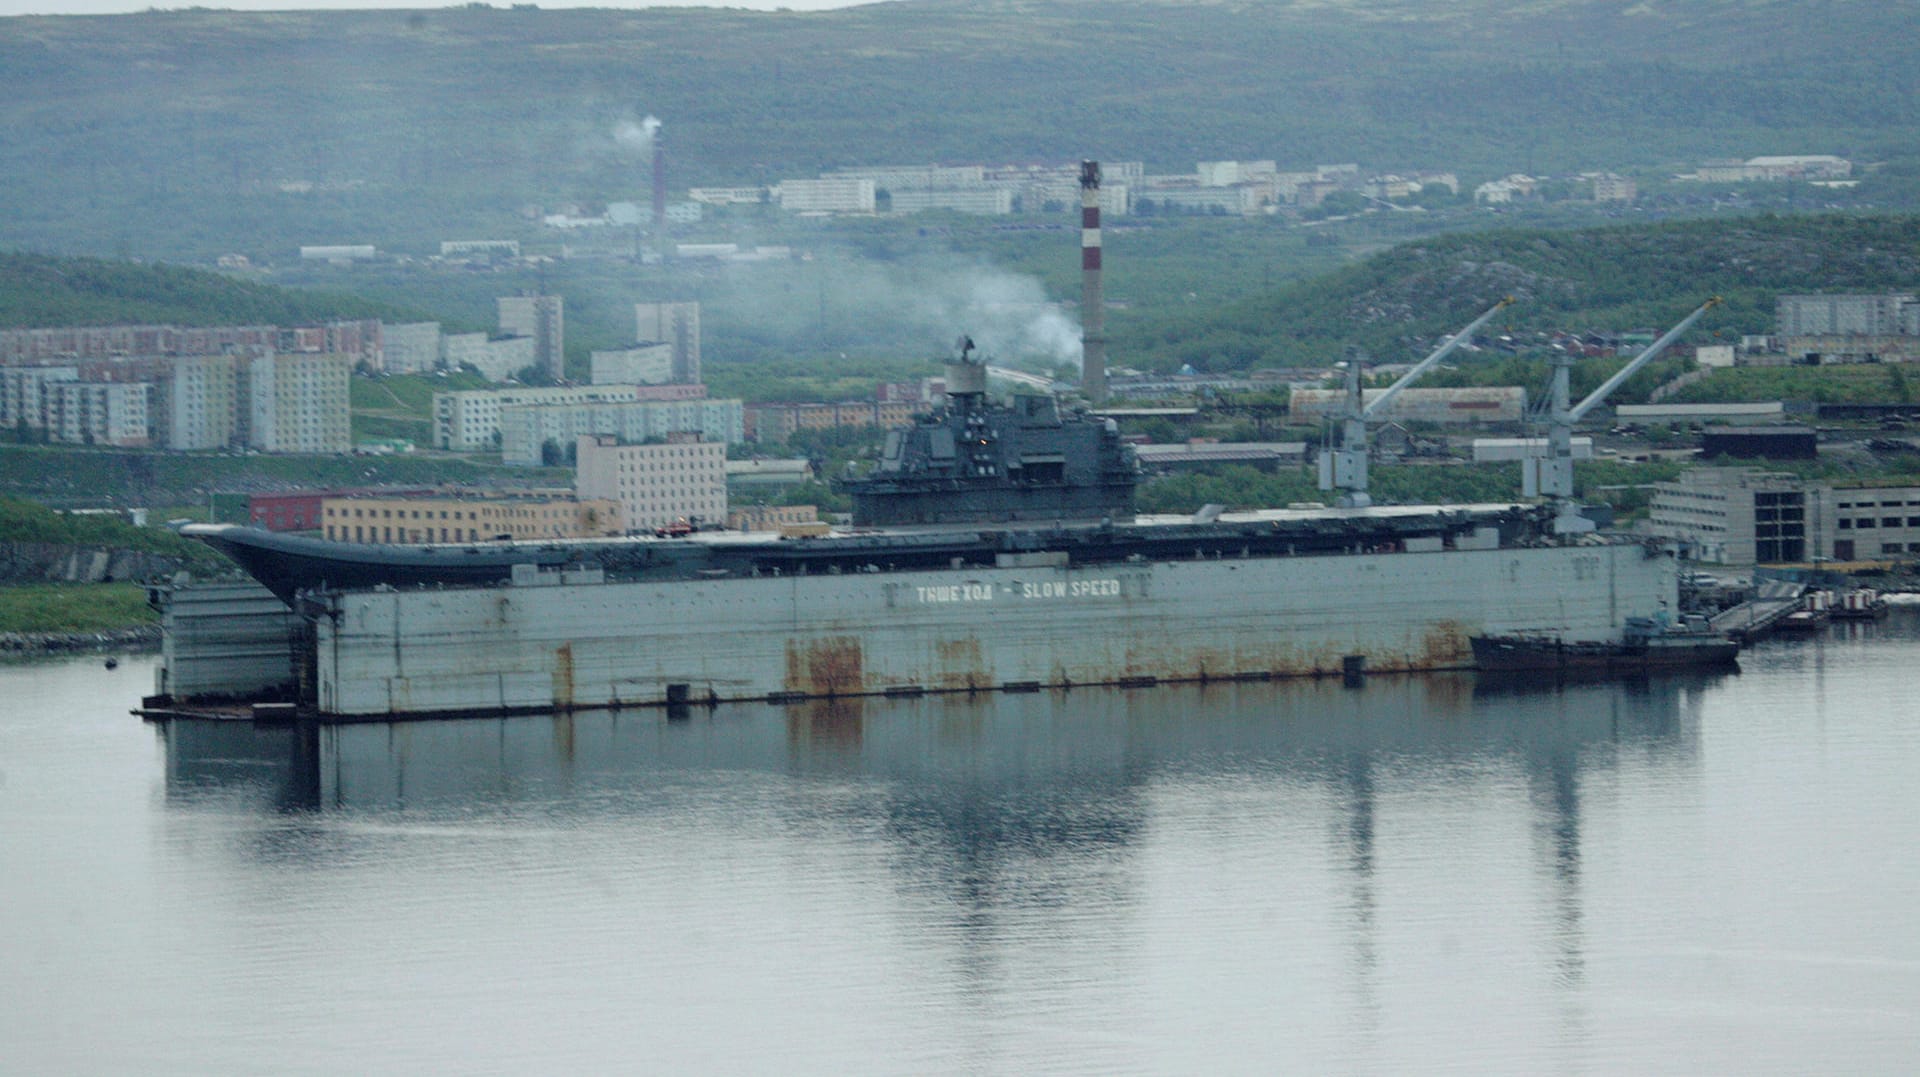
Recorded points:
(39, 291)
(1648, 276)
(188, 133)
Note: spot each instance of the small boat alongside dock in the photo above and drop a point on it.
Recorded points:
(1647, 645)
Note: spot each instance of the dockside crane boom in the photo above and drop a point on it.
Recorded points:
(1552, 475)
(1345, 468)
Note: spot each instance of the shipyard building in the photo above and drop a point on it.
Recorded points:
(409, 519)
(1738, 515)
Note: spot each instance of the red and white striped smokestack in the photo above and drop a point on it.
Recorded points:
(1093, 339)
(659, 193)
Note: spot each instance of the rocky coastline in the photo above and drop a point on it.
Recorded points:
(135, 638)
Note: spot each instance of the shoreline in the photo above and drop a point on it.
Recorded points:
(140, 638)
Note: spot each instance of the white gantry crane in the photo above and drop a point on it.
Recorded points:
(1551, 475)
(1345, 468)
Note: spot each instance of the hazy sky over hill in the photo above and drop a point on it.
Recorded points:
(114, 7)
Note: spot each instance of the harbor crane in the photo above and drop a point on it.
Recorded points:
(1551, 475)
(1345, 468)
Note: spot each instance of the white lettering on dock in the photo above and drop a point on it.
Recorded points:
(1043, 589)
(956, 592)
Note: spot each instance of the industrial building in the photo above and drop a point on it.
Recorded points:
(1489, 404)
(1737, 515)
(1212, 455)
(407, 519)
(1760, 442)
(683, 478)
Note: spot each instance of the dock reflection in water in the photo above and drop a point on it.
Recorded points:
(1116, 831)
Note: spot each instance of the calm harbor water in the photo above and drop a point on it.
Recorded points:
(1687, 875)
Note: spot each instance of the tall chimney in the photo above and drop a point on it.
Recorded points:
(659, 195)
(1093, 339)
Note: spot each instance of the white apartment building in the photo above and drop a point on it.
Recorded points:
(23, 393)
(642, 364)
(984, 201)
(727, 196)
(677, 324)
(896, 178)
(496, 359)
(99, 413)
(411, 348)
(1838, 315)
(542, 317)
(199, 406)
(526, 431)
(682, 478)
(827, 195)
(299, 403)
(469, 420)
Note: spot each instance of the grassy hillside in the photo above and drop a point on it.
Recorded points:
(39, 290)
(188, 133)
(1398, 301)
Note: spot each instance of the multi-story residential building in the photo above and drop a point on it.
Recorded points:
(197, 406)
(767, 423)
(727, 196)
(896, 178)
(677, 324)
(485, 248)
(496, 358)
(442, 518)
(99, 413)
(642, 364)
(469, 420)
(1837, 315)
(530, 436)
(411, 348)
(1241, 199)
(542, 317)
(680, 478)
(299, 403)
(828, 195)
(984, 201)
(1608, 187)
(23, 393)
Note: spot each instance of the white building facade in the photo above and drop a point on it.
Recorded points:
(683, 478)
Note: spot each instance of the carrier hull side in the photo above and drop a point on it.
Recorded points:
(480, 650)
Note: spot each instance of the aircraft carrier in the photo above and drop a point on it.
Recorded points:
(1053, 583)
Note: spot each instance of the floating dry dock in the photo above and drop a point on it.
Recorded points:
(731, 617)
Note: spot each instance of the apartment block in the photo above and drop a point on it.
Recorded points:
(675, 324)
(682, 478)
(529, 435)
(542, 317)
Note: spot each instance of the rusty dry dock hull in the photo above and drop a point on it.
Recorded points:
(595, 644)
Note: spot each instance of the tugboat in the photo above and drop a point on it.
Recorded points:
(1648, 643)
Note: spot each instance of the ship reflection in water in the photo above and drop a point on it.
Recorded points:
(991, 820)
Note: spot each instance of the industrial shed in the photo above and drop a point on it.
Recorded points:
(1759, 442)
